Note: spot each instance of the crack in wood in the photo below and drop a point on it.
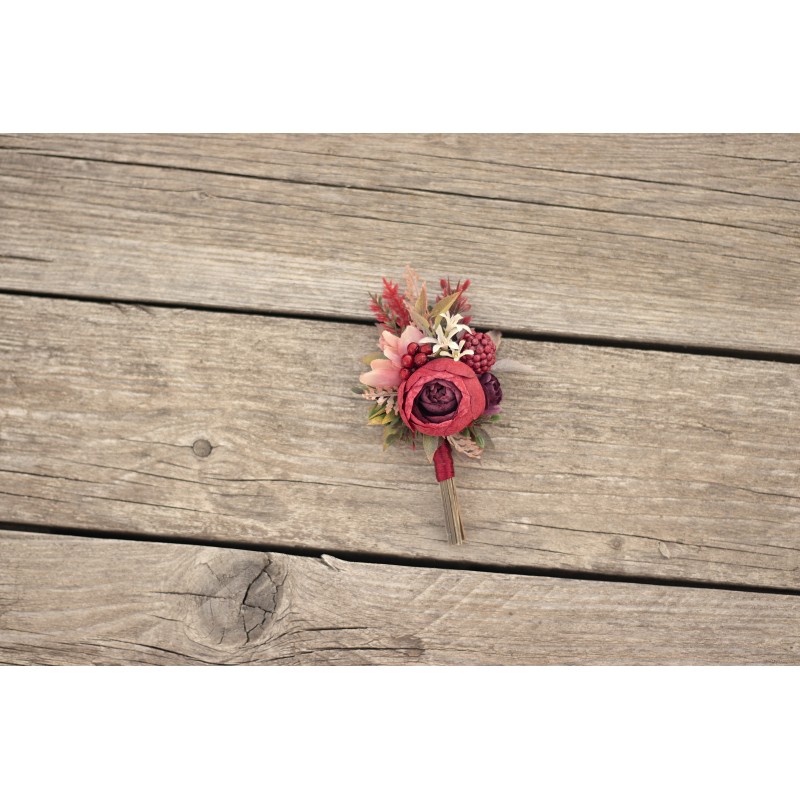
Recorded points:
(32, 259)
(538, 168)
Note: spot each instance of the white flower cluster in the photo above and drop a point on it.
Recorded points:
(444, 343)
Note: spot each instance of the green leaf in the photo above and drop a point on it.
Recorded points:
(376, 416)
(389, 436)
(444, 304)
(420, 321)
(488, 443)
(430, 445)
(479, 438)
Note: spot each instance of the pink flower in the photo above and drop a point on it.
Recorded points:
(386, 371)
(394, 347)
(382, 374)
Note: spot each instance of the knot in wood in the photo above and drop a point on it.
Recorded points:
(234, 599)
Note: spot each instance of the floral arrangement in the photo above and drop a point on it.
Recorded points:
(431, 384)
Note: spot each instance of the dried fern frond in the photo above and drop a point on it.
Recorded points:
(465, 445)
(413, 283)
(378, 394)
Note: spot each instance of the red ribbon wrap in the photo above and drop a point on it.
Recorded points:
(443, 462)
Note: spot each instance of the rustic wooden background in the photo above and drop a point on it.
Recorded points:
(185, 477)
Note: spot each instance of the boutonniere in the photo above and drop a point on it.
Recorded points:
(430, 384)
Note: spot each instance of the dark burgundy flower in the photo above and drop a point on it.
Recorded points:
(493, 392)
(441, 398)
(437, 402)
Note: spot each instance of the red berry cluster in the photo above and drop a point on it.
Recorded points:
(485, 352)
(415, 357)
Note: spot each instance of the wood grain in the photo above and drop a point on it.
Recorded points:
(70, 600)
(241, 428)
(679, 240)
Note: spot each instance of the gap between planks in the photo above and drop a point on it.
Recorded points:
(421, 562)
(509, 333)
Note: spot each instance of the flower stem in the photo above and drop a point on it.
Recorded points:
(445, 473)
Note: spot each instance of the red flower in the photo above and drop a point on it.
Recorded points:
(441, 398)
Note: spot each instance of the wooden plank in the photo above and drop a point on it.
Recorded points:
(70, 600)
(242, 428)
(666, 239)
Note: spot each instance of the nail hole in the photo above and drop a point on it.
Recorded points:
(202, 448)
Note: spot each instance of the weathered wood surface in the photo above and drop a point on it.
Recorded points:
(242, 428)
(71, 600)
(688, 240)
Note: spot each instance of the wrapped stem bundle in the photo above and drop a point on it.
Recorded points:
(445, 474)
